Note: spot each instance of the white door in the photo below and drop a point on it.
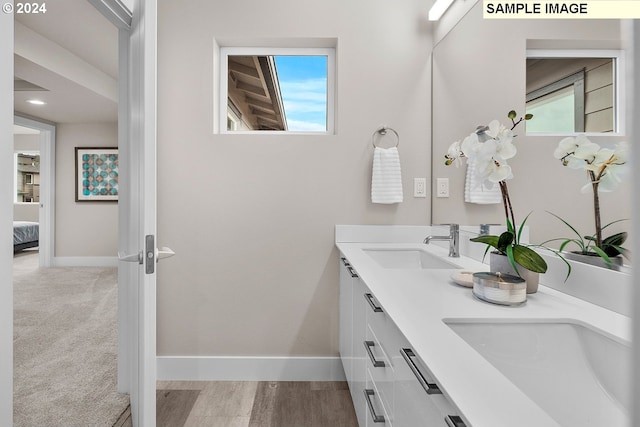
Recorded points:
(136, 204)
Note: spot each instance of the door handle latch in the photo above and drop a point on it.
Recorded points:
(130, 258)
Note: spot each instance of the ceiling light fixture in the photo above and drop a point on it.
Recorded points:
(438, 9)
(36, 102)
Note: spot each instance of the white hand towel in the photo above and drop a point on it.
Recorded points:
(386, 178)
(475, 192)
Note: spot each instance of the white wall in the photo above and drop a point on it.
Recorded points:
(251, 217)
(478, 76)
(83, 229)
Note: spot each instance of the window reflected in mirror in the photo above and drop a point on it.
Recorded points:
(27, 168)
(572, 95)
(277, 93)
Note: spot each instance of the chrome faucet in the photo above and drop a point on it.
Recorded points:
(453, 238)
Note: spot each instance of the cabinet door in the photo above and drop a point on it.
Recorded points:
(346, 318)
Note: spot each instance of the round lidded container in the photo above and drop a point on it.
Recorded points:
(500, 288)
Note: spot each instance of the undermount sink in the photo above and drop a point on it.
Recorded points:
(409, 259)
(578, 375)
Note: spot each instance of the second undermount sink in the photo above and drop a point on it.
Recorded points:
(577, 374)
(409, 259)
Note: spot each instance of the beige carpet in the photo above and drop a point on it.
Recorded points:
(65, 346)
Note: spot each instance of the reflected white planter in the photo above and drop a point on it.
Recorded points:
(499, 263)
(594, 259)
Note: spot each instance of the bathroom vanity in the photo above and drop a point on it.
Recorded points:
(421, 350)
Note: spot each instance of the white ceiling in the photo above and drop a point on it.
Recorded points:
(72, 51)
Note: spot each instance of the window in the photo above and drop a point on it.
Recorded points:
(27, 177)
(277, 90)
(558, 107)
(570, 91)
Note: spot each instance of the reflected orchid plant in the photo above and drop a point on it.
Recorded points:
(605, 169)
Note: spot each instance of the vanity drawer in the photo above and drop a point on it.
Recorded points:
(377, 413)
(418, 398)
(380, 370)
(377, 319)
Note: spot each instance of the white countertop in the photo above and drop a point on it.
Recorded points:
(418, 301)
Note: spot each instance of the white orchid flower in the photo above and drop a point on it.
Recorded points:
(453, 154)
(497, 130)
(566, 147)
(622, 153)
(470, 146)
(506, 150)
(490, 172)
(601, 159)
(587, 151)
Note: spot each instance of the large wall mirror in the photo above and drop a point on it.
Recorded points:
(576, 91)
(484, 68)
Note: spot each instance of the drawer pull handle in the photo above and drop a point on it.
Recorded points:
(373, 305)
(376, 363)
(367, 396)
(454, 421)
(430, 388)
(352, 271)
(345, 262)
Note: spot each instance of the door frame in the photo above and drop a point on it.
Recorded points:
(6, 219)
(47, 209)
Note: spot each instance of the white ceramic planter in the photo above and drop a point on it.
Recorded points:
(499, 263)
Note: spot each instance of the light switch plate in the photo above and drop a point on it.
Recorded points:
(442, 187)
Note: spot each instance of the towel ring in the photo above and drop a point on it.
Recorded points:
(383, 131)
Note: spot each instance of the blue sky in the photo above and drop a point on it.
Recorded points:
(303, 84)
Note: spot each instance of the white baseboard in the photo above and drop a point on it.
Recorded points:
(216, 368)
(85, 261)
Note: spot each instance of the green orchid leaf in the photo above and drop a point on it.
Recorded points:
(512, 261)
(624, 252)
(577, 242)
(567, 224)
(602, 254)
(510, 226)
(524, 221)
(612, 250)
(505, 241)
(529, 259)
(616, 239)
(489, 240)
(614, 222)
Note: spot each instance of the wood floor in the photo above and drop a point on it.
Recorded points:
(251, 404)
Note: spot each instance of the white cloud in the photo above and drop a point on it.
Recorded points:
(301, 126)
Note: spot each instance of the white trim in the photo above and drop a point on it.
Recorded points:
(115, 11)
(236, 368)
(6, 216)
(620, 102)
(88, 261)
(223, 55)
(47, 186)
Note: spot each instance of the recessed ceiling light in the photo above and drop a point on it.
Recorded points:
(36, 102)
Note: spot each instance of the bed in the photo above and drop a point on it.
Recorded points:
(26, 235)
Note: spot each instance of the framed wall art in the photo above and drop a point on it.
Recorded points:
(96, 174)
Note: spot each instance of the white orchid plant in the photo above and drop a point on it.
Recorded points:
(488, 150)
(605, 169)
